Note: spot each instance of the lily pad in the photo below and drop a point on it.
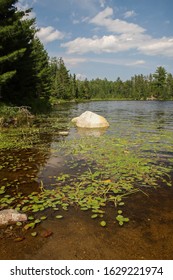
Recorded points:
(94, 216)
(43, 218)
(103, 223)
(59, 217)
(34, 234)
(30, 218)
(19, 224)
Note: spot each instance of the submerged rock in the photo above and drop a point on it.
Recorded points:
(90, 120)
(96, 132)
(9, 216)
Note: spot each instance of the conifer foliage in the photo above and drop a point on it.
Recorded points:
(23, 60)
(64, 85)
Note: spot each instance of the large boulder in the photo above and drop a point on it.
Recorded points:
(10, 216)
(90, 120)
(96, 132)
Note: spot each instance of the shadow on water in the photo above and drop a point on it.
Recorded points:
(148, 235)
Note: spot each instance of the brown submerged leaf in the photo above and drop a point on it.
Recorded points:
(46, 233)
(19, 239)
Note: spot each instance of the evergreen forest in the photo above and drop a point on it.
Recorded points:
(28, 76)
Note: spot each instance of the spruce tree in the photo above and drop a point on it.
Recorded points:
(41, 69)
(16, 35)
(160, 76)
(61, 80)
(75, 91)
(24, 64)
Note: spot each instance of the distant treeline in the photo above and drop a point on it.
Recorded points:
(29, 77)
(155, 86)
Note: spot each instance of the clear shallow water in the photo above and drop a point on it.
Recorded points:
(141, 123)
(151, 115)
(128, 119)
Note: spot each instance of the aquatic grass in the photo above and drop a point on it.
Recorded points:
(24, 137)
(112, 170)
(98, 172)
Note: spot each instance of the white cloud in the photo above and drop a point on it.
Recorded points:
(73, 61)
(81, 77)
(84, 45)
(49, 34)
(135, 63)
(117, 43)
(162, 46)
(125, 36)
(104, 19)
(125, 62)
(108, 44)
(129, 14)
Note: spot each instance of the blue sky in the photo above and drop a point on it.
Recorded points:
(106, 38)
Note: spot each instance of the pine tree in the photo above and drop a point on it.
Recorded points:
(74, 92)
(61, 79)
(84, 91)
(24, 64)
(41, 69)
(169, 82)
(16, 35)
(160, 81)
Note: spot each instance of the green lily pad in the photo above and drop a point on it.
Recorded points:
(28, 226)
(94, 216)
(103, 223)
(59, 217)
(37, 221)
(43, 218)
(34, 234)
(30, 218)
(19, 224)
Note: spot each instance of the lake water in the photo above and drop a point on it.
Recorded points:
(131, 120)
(145, 128)
(122, 115)
(159, 113)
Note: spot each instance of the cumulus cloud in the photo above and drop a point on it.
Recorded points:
(104, 18)
(162, 46)
(119, 43)
(49, 34)
(125, 36)
(97, 45)
(108, 44)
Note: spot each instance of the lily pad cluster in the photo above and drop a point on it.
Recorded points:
(98, 172)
